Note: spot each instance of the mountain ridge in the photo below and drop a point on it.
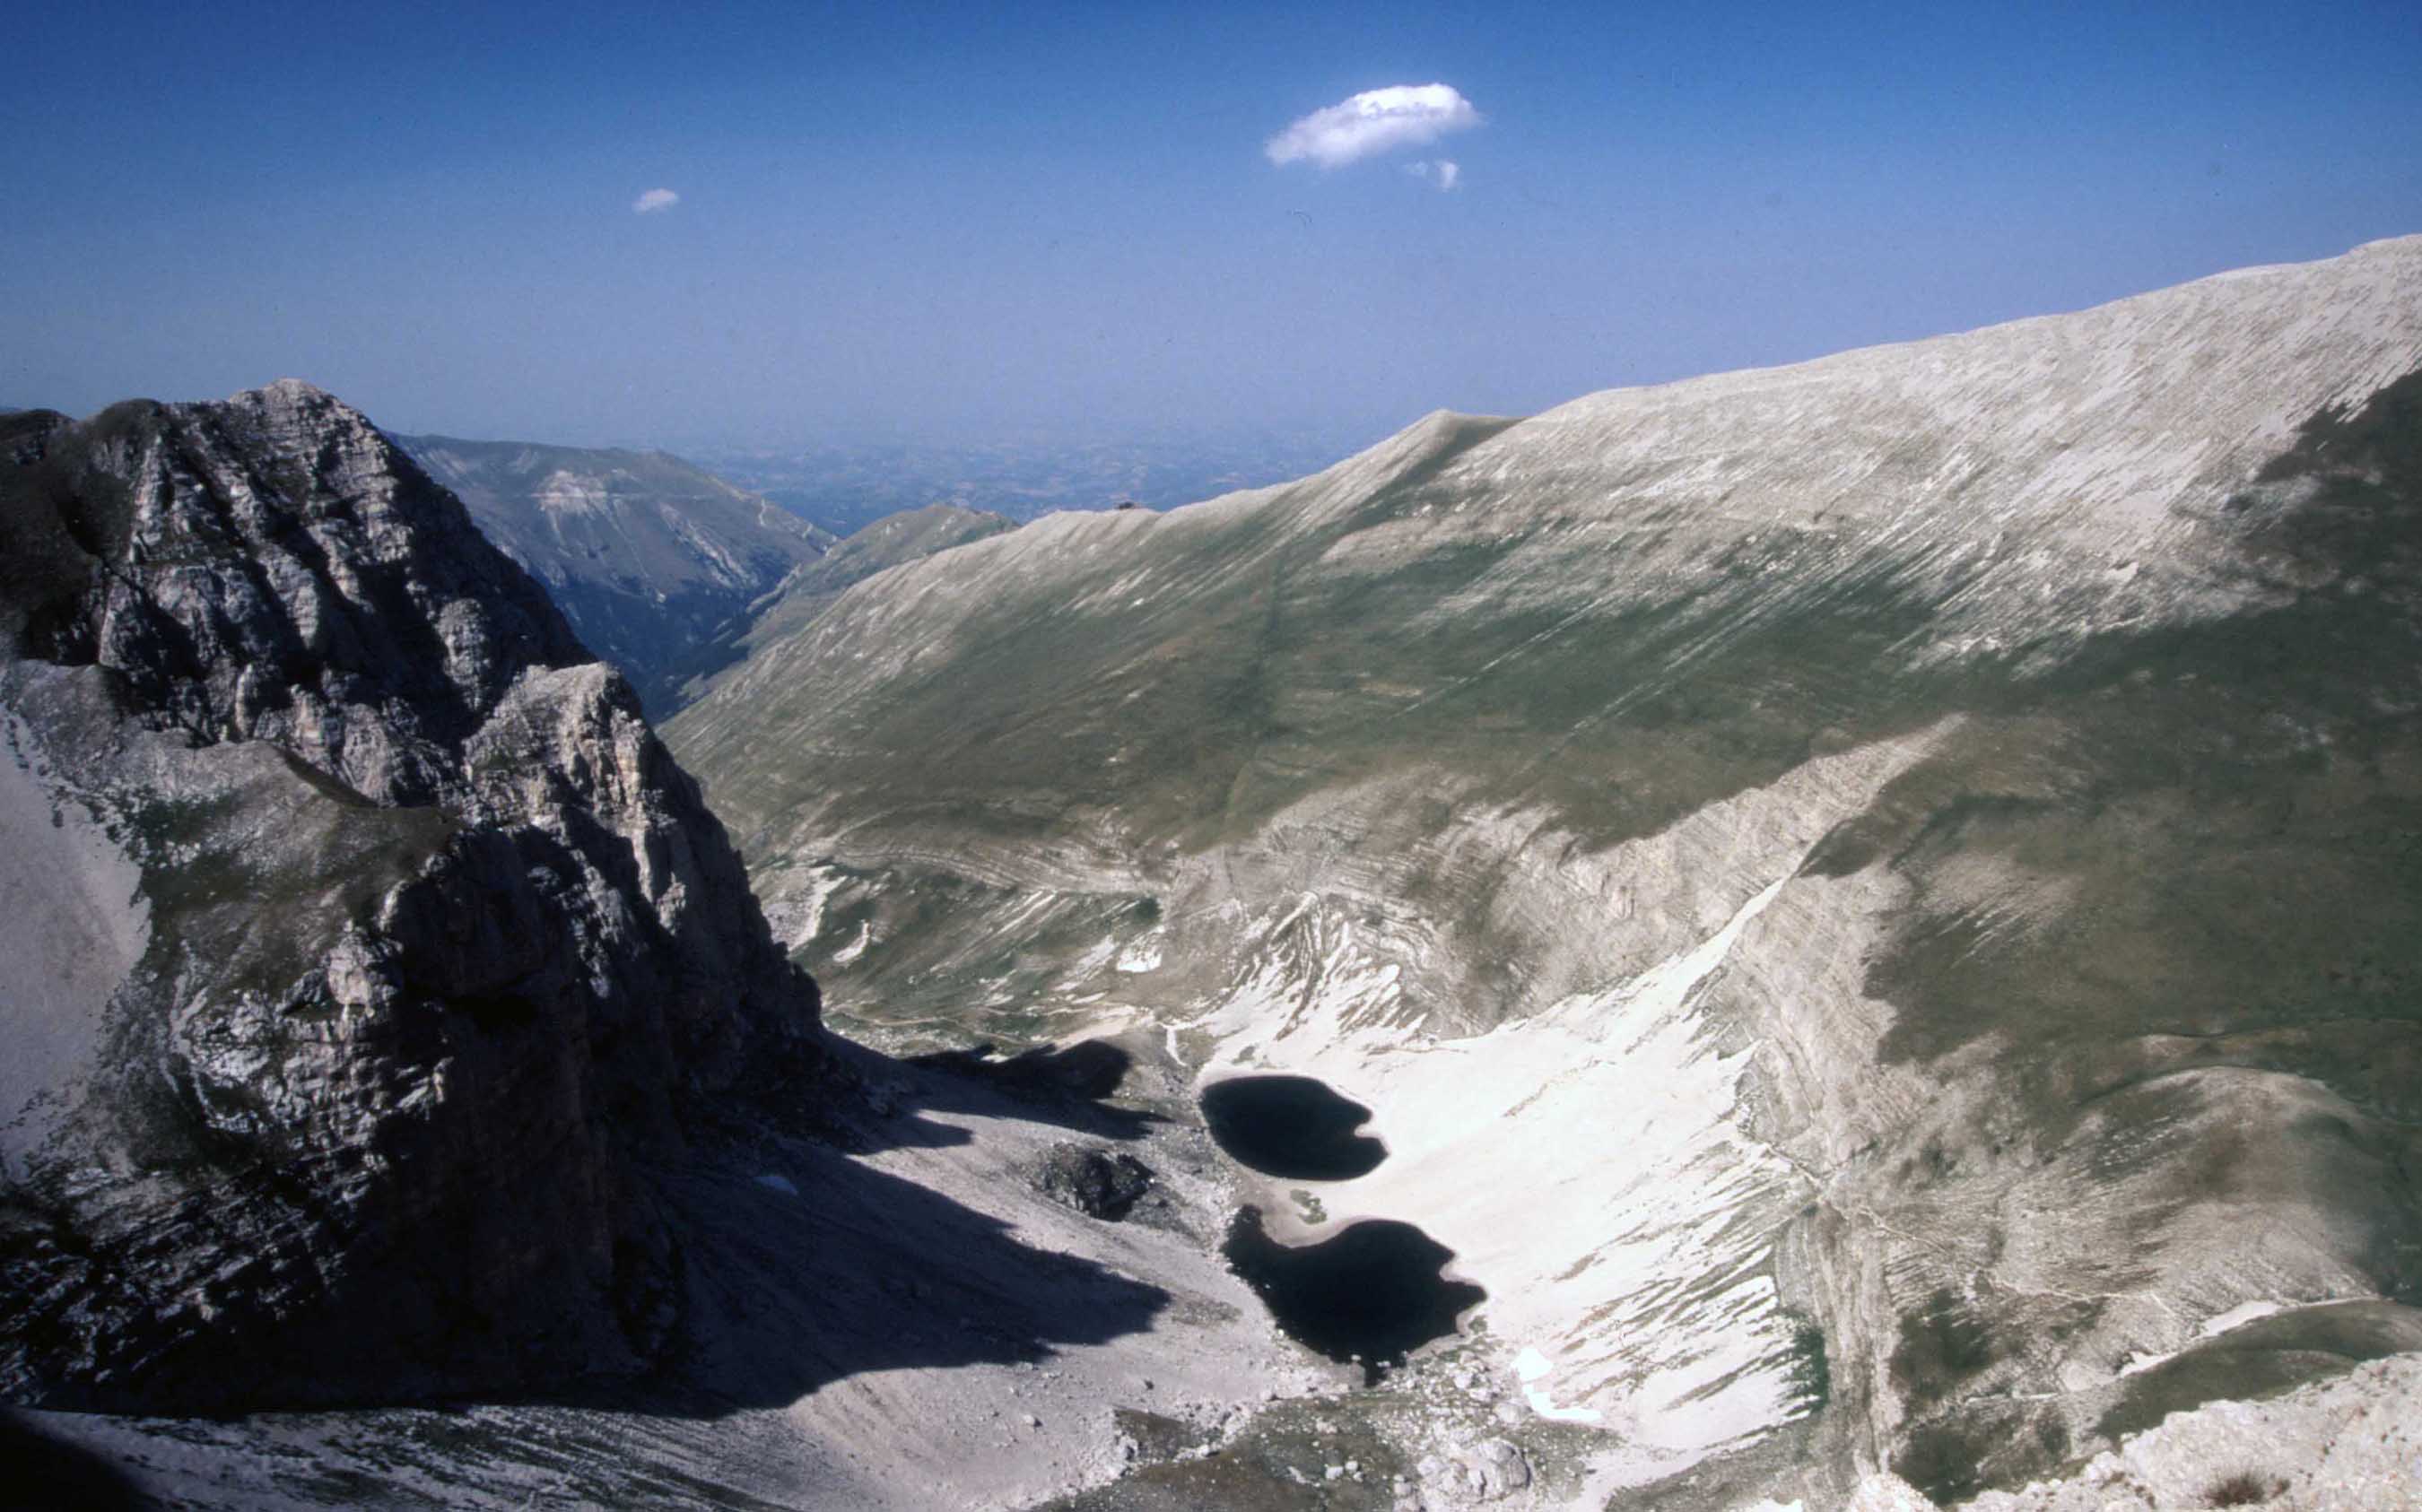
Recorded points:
(1903, 723)
(805, 590)
(1873, 917)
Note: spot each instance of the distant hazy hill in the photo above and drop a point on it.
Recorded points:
(648, 556)
(846, 488)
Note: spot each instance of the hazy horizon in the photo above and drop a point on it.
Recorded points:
(761, 225)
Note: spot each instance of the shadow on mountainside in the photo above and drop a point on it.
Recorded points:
(38, 1471)
(800, 1266)
(802, 1263)
(1069, 1085)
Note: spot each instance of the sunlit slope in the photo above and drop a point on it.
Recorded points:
(811, 588)
(1619, 609)
(1881, 893)
(1031, 648)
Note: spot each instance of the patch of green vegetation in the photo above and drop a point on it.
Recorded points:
(1811, 1370)
(2223, 823)
(1280, 1463)
(1158, 1438)
(1942, 1344)
(2245, 1488)
(1942, 1462)
(1953, 1457)
(990, 959)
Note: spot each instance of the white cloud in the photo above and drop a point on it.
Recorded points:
(1446, 175)
(653, 200)
(1375, 120)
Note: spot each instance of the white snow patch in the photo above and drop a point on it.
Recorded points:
(565, 492)
(1093, 960)
(2241, 1313)
(1142, 955)
(1546, 1407)
(857, 948)
(2218, 1324)
(1533, 1366)
(799, 919)
(1584, 1165)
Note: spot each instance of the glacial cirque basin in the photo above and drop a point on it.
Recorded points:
(1866, 898)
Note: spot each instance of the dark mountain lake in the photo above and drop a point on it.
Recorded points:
(1291, 1126)
(1373, 1292)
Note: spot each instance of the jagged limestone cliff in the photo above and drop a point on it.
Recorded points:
(364, 945)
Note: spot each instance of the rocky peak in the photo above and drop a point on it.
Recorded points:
(272, 568)
(432, 945)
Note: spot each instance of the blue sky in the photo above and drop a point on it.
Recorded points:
(950, 223)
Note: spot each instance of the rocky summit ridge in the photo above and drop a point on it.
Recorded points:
(364, 944)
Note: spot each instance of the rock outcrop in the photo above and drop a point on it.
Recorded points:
(365, 950)
(1095, 1181)
(2349, 1443)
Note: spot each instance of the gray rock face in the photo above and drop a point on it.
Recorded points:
(429, 948)
(650, 558)
(1473, 1474)
(2348, 1444)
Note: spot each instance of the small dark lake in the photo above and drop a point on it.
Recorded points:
(1371, 1292)
(1291, 1126)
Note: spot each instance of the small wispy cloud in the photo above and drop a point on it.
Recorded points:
(1445, 174)
(1373, 121)
(654, 200)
